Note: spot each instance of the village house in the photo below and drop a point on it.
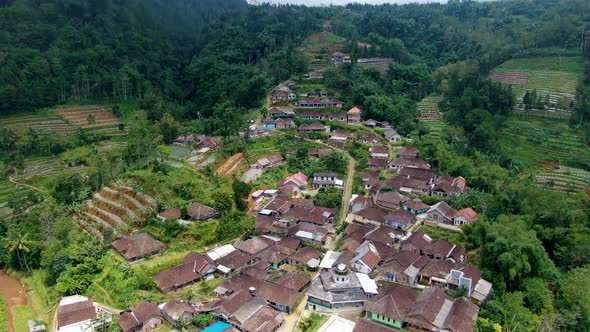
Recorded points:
(404, 267)
(354, 116)
(296, 182)
(254, 245)
(136, 247)
(408, 184)
(340, 116)
(176, 311)
(421, 174)
(198, 211)
(398, 307)
(416, 207)
(294, 280)
(202, 264)
(366, 258)
(309, 233)
(358, 203)
(377, 163)
(278, 297)
(144, 316)
(245, 311)
(177, 277)
(446, 185)
(464, 216)
(278, 123)
(438, 249)
(399, 219)
(76, 313)
(279, 96)
(341, 136)
(401, 162)
(313, 103)
(314, 75)
(392, 200)
(371, 123)
(313, 127)
(409, 152)
(278, 112)
(379, 151)
(441, 212)
(310, 115)
(313, 152)
(326, 179)
(370, 139)
(305, 255)
(170, 214)
(392, 136)
(369, 215)
(339, 57)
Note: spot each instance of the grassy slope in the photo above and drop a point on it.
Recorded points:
(559, 74)
(531, 141)
(3, 316)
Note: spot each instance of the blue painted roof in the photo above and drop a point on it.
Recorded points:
(217, 327)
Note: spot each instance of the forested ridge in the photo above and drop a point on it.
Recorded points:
(176, 67)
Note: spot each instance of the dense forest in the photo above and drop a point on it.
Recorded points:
(199, 66)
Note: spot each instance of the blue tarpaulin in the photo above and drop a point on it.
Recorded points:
(217, 327)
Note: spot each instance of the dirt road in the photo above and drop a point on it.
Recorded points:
(14, 295)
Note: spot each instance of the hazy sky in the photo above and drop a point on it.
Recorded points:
(344, 2)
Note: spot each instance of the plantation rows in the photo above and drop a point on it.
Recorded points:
(40, 124)
(79, 116)
(115, 207)
(428, 108)
(565, 179)
(43, 166)
(532, 142)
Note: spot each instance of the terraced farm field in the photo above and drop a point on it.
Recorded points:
(533, 141)
(565, 179)
(555, 77)
(79, 116)
(43, 122)
(428, 113)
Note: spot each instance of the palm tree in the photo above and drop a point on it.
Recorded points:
(19, 243)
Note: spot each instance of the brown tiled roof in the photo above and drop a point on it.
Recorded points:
(307, 228)
(137, 246)
(305, 254)
(393, 301)
(263, 320)
(445, 209)
(265, 289)
(234, 260)
(407, 152)
(302, 202)
(462, 317)
(264, 224)
(364, 325)
(294, 280)
(437, 268)
(254, 245)
(175, 308)
(351, 228)
(377, 162)
(416, 205)
(380, 149)
(176, 277)
(423, 174)
(390, 198)
(289, 244)
(383, 234)
(410, 162)
(384, 251)
(202, 262)
(173, 213)
(370, 259)
(350, 244)
(426, 307)
(401, 216)
(272, 256)
(372, 214)
(75, 312)
(467, 213)
(255, 273)
(200, 212)
(138, 316)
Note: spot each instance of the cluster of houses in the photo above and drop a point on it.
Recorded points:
(199, 141)
(415, 271)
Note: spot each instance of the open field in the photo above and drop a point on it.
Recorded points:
(555, 77)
